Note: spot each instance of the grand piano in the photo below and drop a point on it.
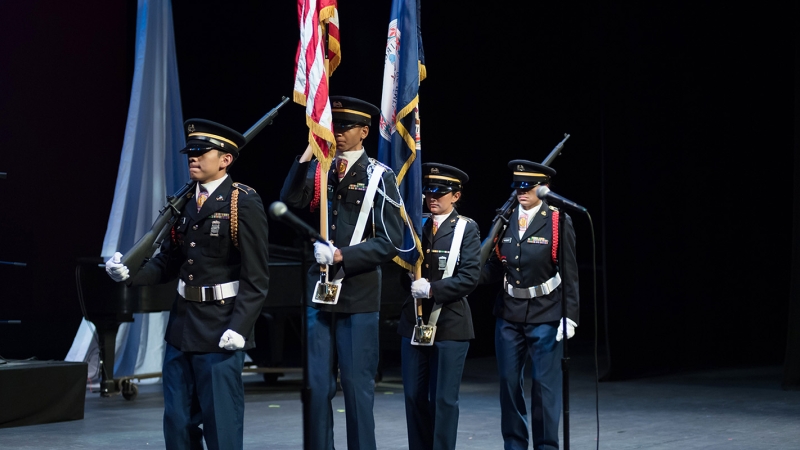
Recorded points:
(107, 304)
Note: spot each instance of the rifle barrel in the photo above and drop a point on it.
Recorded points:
(264, 121)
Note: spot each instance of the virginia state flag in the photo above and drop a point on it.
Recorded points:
(399, 147)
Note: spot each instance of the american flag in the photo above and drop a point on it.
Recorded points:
(318, 55)
(399, 147)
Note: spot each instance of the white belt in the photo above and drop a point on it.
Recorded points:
(535, 291)
(208, 293)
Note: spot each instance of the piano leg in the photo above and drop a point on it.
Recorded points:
(107, 334)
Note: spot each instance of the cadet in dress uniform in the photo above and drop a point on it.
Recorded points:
(344, 335)
(219, 250)
(432, 374)
(529, 308)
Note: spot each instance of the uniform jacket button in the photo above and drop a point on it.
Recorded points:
(335, 212)
(427, 265)
(517, 269)
(516, 257)
(517, 244)
(222, 302)
(339, 196)
(428, 251)
(333, 227)
(191, 277)
(192, 245)
(517, 281)
(194, 227)
(358, 202)
(190, 261)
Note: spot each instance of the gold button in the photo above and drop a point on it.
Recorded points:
(335, 212)
(191, 277)
(516, 257)
(222, 302)
(517, 269)
(191, 261)
(194, 227)
(339, 196)
(428, 251)
(192, 245)
(517, 244)
(427, 265)
(517, 281)
(358, 202)
(333, 227)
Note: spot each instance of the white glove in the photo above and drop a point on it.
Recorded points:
(117, 271)
(231, 340)
(420, 288)
(570, 329)
(324, 251)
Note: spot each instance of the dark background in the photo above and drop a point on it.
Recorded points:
(682, 147)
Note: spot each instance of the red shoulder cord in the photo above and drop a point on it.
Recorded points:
(315, 201)
(173, 235)
(555, 237)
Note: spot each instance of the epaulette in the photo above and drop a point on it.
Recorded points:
(552, 208)
(465, 218)
(243, 187)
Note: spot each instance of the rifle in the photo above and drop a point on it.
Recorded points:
(147, 245)
(501, 218)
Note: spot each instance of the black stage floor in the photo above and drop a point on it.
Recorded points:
(742, 408)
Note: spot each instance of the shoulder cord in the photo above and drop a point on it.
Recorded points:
(555, 237)
(400, 204)
(235, 217)
(234, 221)
(555, 241)
(497, 244)
(315, 200)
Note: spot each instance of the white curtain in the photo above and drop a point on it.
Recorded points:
(150, 168)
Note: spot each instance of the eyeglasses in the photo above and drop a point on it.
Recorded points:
(344, 127)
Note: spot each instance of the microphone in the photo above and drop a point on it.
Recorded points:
(279, 211)
(544, 192)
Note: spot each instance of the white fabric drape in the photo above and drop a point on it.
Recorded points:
(150, 168)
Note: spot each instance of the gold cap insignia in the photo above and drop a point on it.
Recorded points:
(191, 128)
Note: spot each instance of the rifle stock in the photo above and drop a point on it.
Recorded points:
(147, 245)
(505, 211)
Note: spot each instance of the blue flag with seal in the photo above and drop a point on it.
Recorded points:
(399, 147)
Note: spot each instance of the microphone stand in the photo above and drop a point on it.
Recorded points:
(305, 395)
(564, 338)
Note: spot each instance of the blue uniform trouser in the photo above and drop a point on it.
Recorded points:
(431, 381)
(207, 389)
(349, 343)
(513, 343)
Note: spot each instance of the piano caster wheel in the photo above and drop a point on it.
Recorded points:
(271, 377)
(129, 390)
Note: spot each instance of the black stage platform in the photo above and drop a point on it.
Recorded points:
(741, 408)
(38, 392)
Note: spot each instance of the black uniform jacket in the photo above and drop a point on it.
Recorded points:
(361, 286)
(528, 262)
(455, 318)
(201, 259)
